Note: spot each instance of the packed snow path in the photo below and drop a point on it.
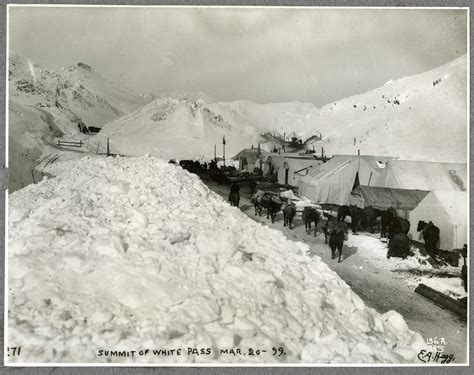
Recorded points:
(134, 253)
(383, 284)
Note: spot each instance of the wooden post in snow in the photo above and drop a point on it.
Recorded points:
(108, 147)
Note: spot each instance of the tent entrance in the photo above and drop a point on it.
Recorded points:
(356, 181)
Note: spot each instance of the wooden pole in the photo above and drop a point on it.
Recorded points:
(108, 147)
(215, 154)
(97, 151)
(223, 153)
(223, 149)
(442, 299)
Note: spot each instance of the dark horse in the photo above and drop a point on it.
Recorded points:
(273, 205)
(398, 225)
(430, 235)
(262, 200)
(337, 234)
(289, 212)
(310, 215)
(354, 212)
(325, 225)
(368, 218)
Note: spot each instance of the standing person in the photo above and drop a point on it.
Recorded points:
(253, 186)
(234, 195)
(464, 267)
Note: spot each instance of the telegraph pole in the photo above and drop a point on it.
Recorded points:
(223, 148)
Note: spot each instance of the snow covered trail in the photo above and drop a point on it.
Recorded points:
(135, 253)
(384, 284)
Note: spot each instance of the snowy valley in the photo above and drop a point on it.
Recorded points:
(131, 252)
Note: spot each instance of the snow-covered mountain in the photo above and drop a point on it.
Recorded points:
(79, 89)
(421, 117)
(281, 118)
(44, 104)
(190, 127)
(176, 128)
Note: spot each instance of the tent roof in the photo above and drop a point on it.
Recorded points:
(298, 164)
(424, 175)
(250, 153)
(383, 198)
(339, 162)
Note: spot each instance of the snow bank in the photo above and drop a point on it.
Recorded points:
(414, 270)
(452, 287)
(135, 253)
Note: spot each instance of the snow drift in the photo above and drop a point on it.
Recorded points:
(135, 253)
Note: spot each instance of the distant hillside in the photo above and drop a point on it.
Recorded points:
(190, 127)
(421, 117)
(44, 104)
(283, 118)
(179, 129)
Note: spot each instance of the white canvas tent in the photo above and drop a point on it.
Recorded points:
(250, 158)
(423, 175)
(333, 181)
(294, 168)
(448, 211)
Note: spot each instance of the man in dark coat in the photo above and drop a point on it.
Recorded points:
(234, 190)
(464, 267)
(253, 186)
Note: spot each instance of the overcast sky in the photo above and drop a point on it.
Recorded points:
(264, 55)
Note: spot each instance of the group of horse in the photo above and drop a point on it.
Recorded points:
(392, 227)
(334, 231)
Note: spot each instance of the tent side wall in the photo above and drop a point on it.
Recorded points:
(452, 236)
(331, 189)
(460, 236)
(334, 186)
